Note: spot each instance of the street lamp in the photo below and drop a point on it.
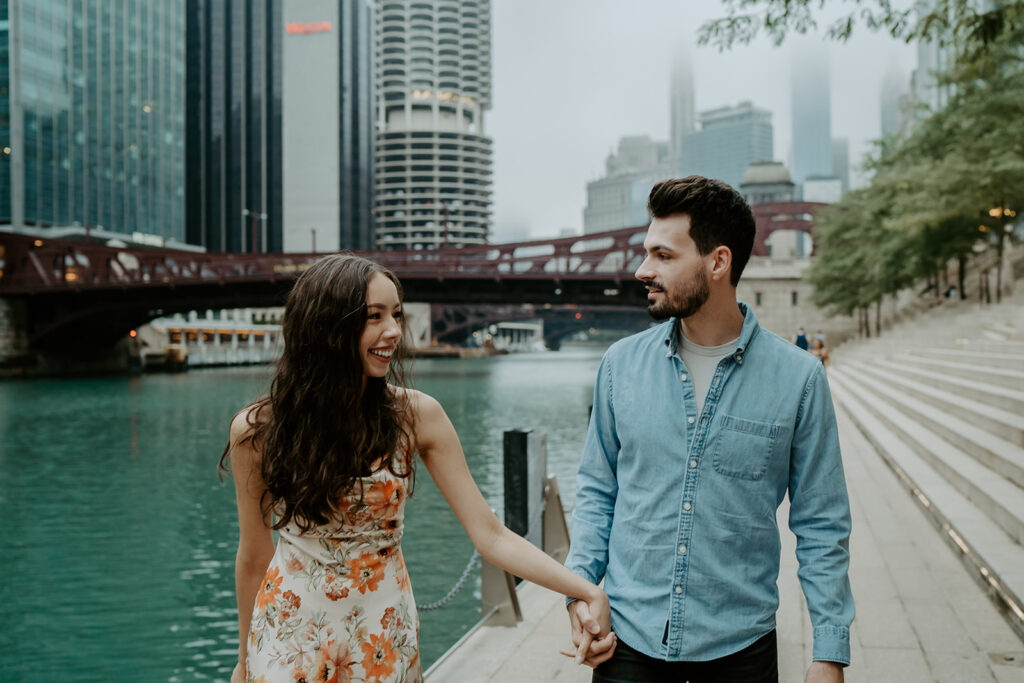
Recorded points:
(255, 216)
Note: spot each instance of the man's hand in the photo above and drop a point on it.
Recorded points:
(591, 648)
(824, 672)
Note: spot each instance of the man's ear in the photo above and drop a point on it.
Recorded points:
(721, 263)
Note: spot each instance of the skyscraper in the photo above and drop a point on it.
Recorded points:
(894, 91)
(812, 113)
(233, 124)
(434, 160)
(92, 127)
(619, 199)
(729, 140)
(841, 162)
(327, 119)
(681, 105)
(933, 57)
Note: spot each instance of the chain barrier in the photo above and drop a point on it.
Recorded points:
(455, 589)
(461, 582)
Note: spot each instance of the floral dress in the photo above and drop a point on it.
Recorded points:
(336, 605)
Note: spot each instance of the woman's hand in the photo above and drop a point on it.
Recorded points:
(238, 675)
(590, 625)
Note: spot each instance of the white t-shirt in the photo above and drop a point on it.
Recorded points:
(701, 362)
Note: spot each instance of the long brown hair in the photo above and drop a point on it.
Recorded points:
(320, 429)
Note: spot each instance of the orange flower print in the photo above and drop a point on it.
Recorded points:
(290, 603)
(383, 498)
(379, 659)
(344, 661)
(366, 571)
(332, 588)
(300, 675)
(269, 589)
(388, 619)
(295, 565)
(402, 575)
(336, 594)
(332, 664)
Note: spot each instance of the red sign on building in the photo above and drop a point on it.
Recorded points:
(299, 27)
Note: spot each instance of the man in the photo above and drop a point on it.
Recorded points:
(700, 427)
(801, 340)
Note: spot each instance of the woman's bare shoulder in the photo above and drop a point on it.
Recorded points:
(421, 406)
(243, 422)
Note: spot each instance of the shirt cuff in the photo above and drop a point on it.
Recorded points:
(832, 644)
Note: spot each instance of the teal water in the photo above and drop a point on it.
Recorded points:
(118, 556)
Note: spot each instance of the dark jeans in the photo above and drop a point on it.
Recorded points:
(756, 663)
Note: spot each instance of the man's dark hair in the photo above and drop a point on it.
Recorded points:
(719, 216)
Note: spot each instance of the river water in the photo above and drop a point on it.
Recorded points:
(118, 561)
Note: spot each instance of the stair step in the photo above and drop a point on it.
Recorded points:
(1012, 379)
(1003, 398)
(997, 557)
(998, 497)
(961, 428)
(1009, 361)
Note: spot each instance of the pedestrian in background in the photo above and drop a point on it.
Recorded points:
(801, 339)
(819, 351)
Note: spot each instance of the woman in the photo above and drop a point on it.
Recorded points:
(818, 349)
(326, 459)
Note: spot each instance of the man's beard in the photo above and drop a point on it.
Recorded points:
(684, 301)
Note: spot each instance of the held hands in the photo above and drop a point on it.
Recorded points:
(824, 672)
(592, 637)
(238, 675)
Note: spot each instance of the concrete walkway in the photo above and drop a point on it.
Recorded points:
(920, 616)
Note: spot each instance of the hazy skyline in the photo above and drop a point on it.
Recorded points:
(570, 77)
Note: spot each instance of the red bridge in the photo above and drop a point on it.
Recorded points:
(83, 294)
(92, 295)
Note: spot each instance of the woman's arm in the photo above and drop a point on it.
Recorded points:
(255, 540)
(439, 448)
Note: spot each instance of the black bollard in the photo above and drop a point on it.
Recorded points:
(525, 470)
(517, 513)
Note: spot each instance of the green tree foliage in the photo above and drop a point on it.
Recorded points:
(955, 21)
(945, 190)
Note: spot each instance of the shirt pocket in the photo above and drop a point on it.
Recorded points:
(744, 447)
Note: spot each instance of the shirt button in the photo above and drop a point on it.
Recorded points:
(693, 463)
(682, 550)
(679, 589)
(686, 506)
(683, 376)
(690, 420)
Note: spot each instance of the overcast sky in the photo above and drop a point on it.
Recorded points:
(570, 77)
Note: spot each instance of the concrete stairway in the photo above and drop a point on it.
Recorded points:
(941, 399)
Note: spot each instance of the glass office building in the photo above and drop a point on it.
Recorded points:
(328, 134)
(92, 117)
(233, 124)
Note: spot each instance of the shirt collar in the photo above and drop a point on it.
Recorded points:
(747, 334)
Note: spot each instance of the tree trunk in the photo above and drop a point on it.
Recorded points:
(961, 262)
(878, 318)
(999, 269)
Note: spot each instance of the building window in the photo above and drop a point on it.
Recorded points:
(757, 298)
(795, 298)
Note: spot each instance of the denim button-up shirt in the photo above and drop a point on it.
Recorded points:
(676, 510)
